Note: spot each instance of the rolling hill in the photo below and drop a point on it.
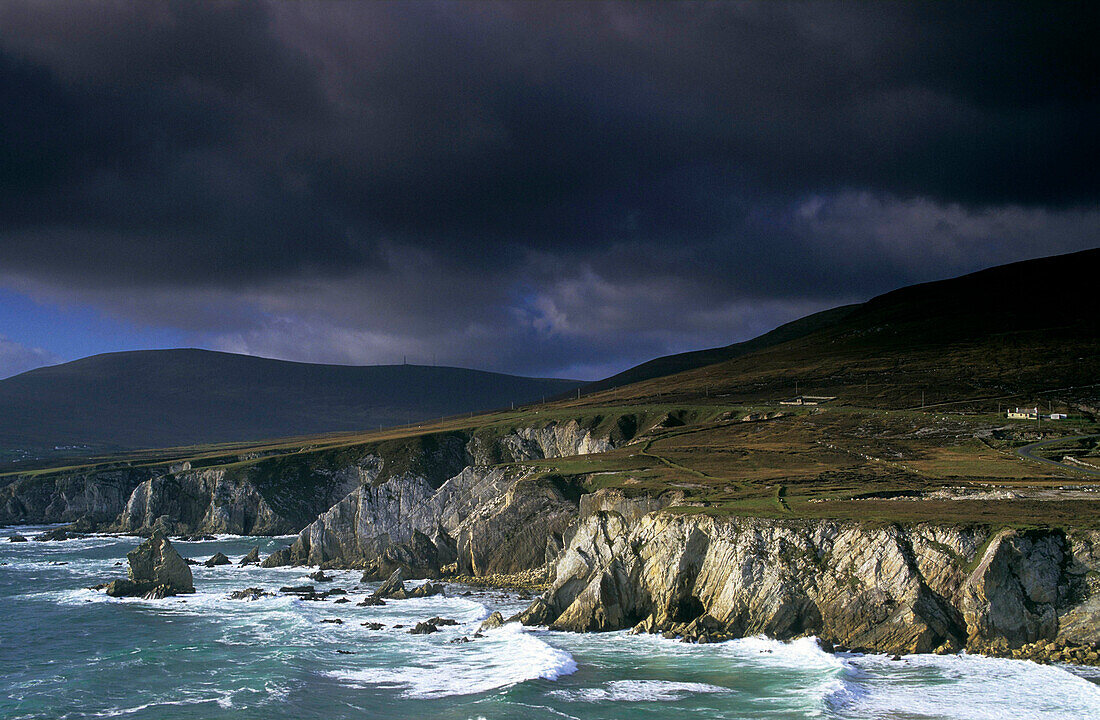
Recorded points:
(1009, 331)
(160, 398)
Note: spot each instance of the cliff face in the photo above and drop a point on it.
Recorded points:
(97, 496)
(889, 589)
(488, 518)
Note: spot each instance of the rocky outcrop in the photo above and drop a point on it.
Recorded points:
(156, 571)
(891, 589)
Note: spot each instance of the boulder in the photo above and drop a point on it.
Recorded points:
(217, 559)
(442, 622)
(425, 590)
(492, 622)
(252, 558)
(58, 534)
(320, 576)
(371, 601)
(298, 590)
(373, 625)
(423, 628)
(156, 571)
(279, 558)
(17, 538)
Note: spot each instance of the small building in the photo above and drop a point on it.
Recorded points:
(1058, 416)
(1024, 414)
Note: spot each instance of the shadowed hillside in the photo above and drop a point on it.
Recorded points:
(1008, 332)
(163, 398)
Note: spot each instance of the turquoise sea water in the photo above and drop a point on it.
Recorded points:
(69, 652)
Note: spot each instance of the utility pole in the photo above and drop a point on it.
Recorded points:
(921, 399)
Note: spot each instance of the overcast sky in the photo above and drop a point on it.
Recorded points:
(539, 188)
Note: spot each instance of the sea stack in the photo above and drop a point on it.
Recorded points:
(156, 571)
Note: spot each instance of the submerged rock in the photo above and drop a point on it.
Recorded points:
(217, 559)
(252, 558)
(373, 625)
(156, 571)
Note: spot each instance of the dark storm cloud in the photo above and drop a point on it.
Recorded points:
(575, 186)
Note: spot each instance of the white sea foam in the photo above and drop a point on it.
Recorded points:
(800, 654)
(963, 687)
(505, 657)
(640, 691)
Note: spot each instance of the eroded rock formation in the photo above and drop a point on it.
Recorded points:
(921, 588)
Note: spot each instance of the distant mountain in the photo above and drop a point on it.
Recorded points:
(1023, 328)
(159, 398)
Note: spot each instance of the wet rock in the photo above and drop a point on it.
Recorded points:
(58, 534)
(298, 590)
(394, 586)
(320, 576)
(17, 538)
(442, 622)
(333, 621)
(426, 590)
(373, 625)
(199, 537)
(492, 622)
(371, 601)
(423, 628)
(217, 559)
(252, 558)
(459, 640)
(342, 600)
(279, 558)
(251, 593)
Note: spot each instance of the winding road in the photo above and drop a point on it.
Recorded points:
(1026, 452)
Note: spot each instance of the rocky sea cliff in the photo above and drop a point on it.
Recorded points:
(475, 504)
